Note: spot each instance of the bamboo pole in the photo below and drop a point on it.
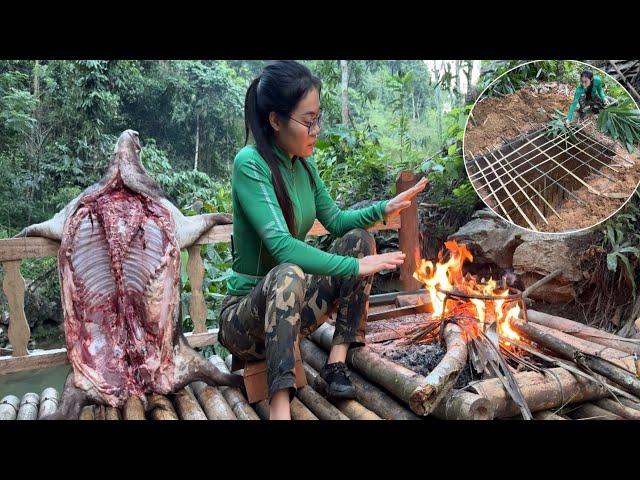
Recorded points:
(9, 407)
(187, 406)
(320, 407)
(133, 409)
(353, 409)
(420, 393)
(584, 331)
(367, 394)
(29, 407)
(557, 387)
(49, 402)
(161, 408)
(212, 402)
(236, 400)
(625, 379)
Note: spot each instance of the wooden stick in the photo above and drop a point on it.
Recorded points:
(367, 394)
(584, 331)
(133, 409)
(543, 281)
(618, 408)
(9, 407)
(48, 402)
(213, 402)
(236, 400)
(318, 405)
(29, 407)
(161, 408)
(589, 411)
(187, 406)
(613, 63)
(613, 372)
(353, 409)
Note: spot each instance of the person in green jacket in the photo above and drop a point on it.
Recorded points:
(281, 287)
(589, 93)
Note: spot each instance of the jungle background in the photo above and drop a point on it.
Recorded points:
(59, 121)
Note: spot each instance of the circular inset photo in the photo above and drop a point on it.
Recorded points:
(552, 146)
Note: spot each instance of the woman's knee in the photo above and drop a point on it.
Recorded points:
(287, 279)
(360, 241)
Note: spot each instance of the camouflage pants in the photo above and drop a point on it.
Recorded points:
(594, 104)
(286, 303)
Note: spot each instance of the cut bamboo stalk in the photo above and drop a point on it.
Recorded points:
(48, 402)
(212, 402)
(463, 405)
(367, 394)
(625, 379)
(87, 413)
(547, 415)
(584, 331)
(318, 405)
(161, 408)
(9, 407)
(541, 392)
(234, 396)
(300, 412)
(133, 409)
(420, 393)
(113, 413)
(589, 411)
(351, 408)
(29, 407)
(187, 406)
(618, 408)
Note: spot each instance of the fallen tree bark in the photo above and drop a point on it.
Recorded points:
(368, 395)
(541, 392)
(613, 372)
(353, 409)
(422, 394)
(584, 331)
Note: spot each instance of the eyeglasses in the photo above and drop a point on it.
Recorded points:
(310, 126)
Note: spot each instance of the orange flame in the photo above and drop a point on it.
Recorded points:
(448, 276)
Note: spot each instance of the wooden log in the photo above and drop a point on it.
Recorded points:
(584, 331)
(161, 408)
(197, 305)
(300, 412)
(14, 288)
(48, 402)
(212, 401)
(113, 413)
(318, 405)
(547, 415)
(100, 412)
(618, 408)
(29, 407)
(367, 394)
(353, 409)
(262, 409)
(87, 413)
(9, 407)
(234, 396)
(408, 233)
(541, 392)
(629, 403)
(421, 394)
(133, 409)
(589, 411)
(463, 405)
(187, 406)
(616, 374)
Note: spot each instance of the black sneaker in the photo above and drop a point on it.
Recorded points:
(337, 377)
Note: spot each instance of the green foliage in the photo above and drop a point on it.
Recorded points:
(521, 74)
(557, 126)
(621, 241)
(621, 122)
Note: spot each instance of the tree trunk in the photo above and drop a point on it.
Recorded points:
(344, 90)
(195, 162)
(561, 71)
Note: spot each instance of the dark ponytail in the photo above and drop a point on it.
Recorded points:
(278, 89)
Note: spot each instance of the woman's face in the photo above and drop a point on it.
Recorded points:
(585, 81)
(292, 134)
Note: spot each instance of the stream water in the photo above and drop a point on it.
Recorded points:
(33, 381)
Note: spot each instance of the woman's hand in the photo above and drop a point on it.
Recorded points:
(403, 200)
(385, 261)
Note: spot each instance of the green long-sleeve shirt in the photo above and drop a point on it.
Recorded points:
(261, 238)
(596, 90)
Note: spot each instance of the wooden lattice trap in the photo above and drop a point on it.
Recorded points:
(525, 180)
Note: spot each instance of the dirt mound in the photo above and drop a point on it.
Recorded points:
(495, 118)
